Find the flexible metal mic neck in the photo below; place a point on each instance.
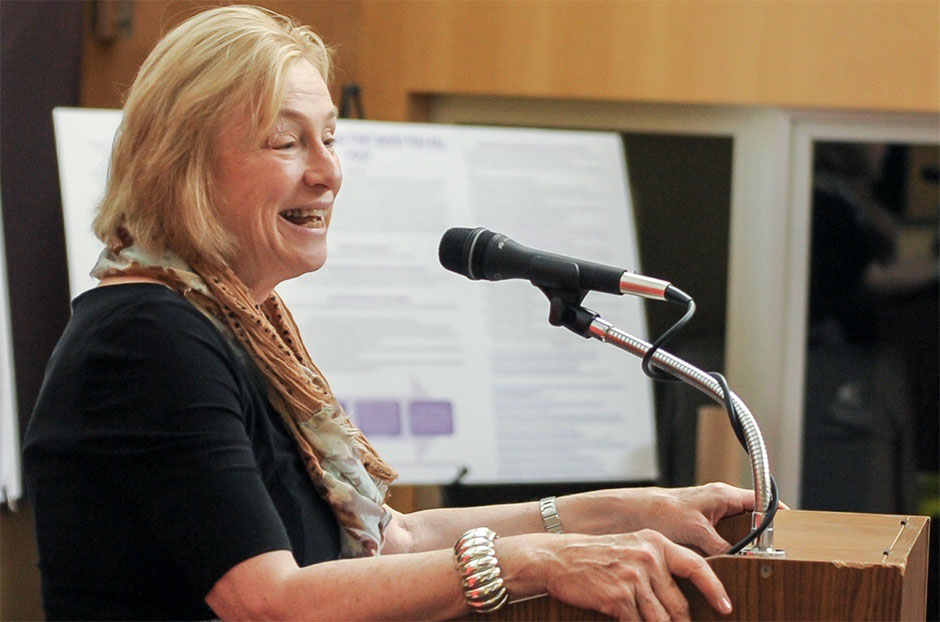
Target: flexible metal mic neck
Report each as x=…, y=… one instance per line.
x=678, y=368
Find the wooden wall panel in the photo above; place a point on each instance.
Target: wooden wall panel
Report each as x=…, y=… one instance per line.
x=109, y=68
x=839, y=54
x=20, y=596
x=821, y=54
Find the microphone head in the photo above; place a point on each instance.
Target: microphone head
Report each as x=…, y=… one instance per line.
x=461, y=250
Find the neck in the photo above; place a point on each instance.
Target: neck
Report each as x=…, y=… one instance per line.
x=120, y=280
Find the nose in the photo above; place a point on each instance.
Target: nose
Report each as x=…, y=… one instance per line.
x=323, y=169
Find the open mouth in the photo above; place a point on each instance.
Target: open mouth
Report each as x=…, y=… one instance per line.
x=308, y=218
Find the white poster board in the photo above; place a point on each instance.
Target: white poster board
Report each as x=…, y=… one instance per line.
x=442, y=373
x=11, y=487
x=83, y=138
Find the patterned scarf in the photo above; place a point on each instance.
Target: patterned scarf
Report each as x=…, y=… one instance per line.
x=344, y=468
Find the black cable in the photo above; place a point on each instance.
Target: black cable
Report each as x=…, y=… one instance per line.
x=656, y=374
x=730, y=408
x=735, y=420
x=768, y=518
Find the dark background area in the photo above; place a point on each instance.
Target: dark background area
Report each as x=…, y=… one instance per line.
x=40, y=68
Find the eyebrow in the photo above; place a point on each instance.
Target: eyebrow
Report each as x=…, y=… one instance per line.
x=291, y=113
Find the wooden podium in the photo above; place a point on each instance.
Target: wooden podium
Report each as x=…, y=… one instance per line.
x=838, y=566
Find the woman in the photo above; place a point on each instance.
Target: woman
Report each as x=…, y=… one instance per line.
x=187, y=459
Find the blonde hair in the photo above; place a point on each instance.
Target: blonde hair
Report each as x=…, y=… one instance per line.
x=217, y=65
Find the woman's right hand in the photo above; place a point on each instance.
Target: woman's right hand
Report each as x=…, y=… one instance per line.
x=626, y=576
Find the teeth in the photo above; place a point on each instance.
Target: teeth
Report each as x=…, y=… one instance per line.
x=304, y=213
x=305, y=217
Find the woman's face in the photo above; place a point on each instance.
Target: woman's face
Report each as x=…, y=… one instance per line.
x=277, y=195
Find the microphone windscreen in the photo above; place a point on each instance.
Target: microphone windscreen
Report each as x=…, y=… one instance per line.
x=452, y=252
x=462, y=249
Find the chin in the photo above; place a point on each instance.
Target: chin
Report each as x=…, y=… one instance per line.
x=314, y=263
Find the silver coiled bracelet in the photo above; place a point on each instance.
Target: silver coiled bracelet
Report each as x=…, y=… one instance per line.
x=479, y=571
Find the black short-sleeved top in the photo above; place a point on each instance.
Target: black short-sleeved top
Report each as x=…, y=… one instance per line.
x=154, y=463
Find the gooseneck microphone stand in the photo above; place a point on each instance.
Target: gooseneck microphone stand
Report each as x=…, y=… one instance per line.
x=565, y=310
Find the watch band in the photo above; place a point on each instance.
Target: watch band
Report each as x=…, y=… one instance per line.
x=550, y=515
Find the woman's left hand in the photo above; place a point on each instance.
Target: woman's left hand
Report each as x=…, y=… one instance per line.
x=684, y=515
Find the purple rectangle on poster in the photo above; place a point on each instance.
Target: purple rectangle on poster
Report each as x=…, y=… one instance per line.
x=378, y=418
x=431, y=418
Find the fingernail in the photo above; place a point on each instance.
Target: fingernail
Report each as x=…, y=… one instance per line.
x=725, y=605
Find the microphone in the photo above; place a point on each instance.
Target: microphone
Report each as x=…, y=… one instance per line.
x=482, y=254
